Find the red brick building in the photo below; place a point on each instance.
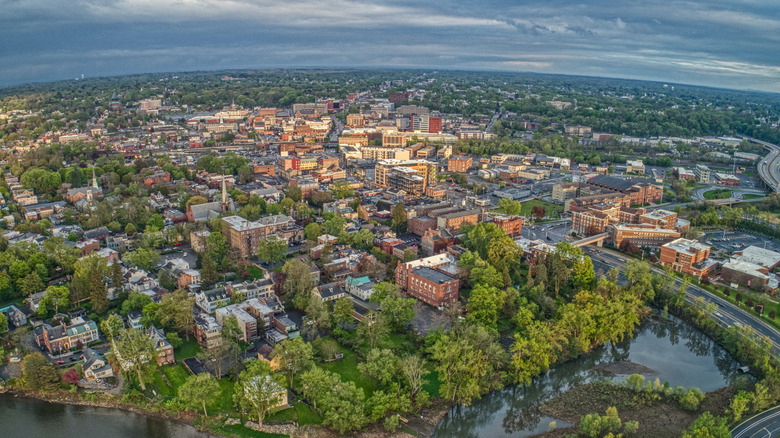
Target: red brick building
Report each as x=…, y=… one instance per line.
x=454, y=221
x=419, y=225
x=432, y=286
x=459, y=164
x=264, y=169
x=687, y=256
x=512, y=225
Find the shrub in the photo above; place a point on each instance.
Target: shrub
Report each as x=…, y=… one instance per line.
x=71, y=376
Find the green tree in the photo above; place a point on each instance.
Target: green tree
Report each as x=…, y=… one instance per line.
x=272, y=249
x=397, y=311
x=413, y=369
x=341, y=190
x=708, y=426
x=293, y=192
x=31, y=284
x=509, y=206
x=3, y=323
x=97, y=292
x=156, y=221
x=56, y=297
x=137, y=352
x=208, y=270
x=294, y=355
x=257, y=390
x=38, y=373
x=312, y=231
x=373, y=327
x=216, y=246
x=175, y=312
x=199, y=390
x=142, y=258
x=299, y=279
x=342, y=311
x=583, y=274
x=381, y=365
x=398, y=221
x=135, y=301
x=485, y=304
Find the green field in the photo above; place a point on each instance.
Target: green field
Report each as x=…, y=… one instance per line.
x=553, y=210
x=299, y=413
x=718, y=194
x=187, y=349
x=751, y=196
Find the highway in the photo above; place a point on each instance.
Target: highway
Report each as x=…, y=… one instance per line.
x=763, y=425
x=727, y=313
x=769, y=166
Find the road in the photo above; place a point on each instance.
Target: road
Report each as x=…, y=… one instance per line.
x=727, y=314
x=737, y=192
x=763, y=425
x=769, y=166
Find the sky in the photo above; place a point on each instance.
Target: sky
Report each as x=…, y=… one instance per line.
x=729, y=44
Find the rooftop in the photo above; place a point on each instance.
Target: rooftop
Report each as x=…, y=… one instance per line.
x=686, y=246
x=432, y=275
x=759, y=256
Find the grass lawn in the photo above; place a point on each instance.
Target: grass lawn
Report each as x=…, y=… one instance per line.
x=188, y=349
x=255, y=272
x=300, y=413
x=346, y=368
x=432, y=385
x=553, y=210
x=718, y=194
x=176, y=375
x=224, y=403
x=751, y=196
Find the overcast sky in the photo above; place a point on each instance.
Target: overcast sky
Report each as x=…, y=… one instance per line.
x=731, y=44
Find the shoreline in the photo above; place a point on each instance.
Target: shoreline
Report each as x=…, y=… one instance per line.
x=75, y=399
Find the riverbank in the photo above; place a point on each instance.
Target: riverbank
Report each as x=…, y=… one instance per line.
x=101, y=400
x=658, y=418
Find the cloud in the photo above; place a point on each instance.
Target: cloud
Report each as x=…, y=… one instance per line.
x=717, y=42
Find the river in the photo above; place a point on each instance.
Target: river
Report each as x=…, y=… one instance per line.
x=675, y=350
x=26, y=417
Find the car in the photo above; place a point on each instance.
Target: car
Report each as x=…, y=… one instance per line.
x=74, y=358
x=60, y=362
x=178, y=244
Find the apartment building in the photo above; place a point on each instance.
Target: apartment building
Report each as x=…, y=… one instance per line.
x=687, y=256
x=702, y=173
x=460, y=164
x=432, y=286
x=245, y=235
x=512, y=225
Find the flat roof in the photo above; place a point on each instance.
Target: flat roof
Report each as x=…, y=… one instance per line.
x=759, y=256
x=432, y=275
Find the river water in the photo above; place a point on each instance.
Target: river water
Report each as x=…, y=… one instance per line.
x=675, y=350
x=26, y=417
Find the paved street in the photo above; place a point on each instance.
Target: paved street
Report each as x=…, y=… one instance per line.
x=763, y=425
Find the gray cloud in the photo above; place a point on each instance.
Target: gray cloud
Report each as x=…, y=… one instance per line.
x=718, y=42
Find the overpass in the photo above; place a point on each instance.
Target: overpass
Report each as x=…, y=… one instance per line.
x=769, y=166
x=598, y=239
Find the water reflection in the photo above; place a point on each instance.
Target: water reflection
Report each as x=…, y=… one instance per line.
x=673, y=349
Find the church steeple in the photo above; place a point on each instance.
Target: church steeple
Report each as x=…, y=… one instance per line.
x=94, y=179
x=224, y=191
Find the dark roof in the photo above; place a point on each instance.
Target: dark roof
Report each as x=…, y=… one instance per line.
x=617, y=183
x=432, y=275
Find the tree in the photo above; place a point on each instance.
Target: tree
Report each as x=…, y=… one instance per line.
x=272, y=249
x=208, y=270
x=38, y=373
x=398, y=222
x=135, y=301
x=112, y=325
x=256, y=390
x=341, y=190
x=156, y=221
x=30, y=284
x=137, y=352
x=293, y=192
x=142, y=258
x=373, y=327
x=583, y=274
x=299, y=280
x=397, y=311
x=484, y=305
x=312, y=231
x=216, y=246
x=55, y=297
x=381, y=365
x=3, y=323
x=199, y=390
x=175, y=311
x=413, y=369
x=98, y=293
x=538, y=212
x=342, y=311
x=509, y=206
x=294, y=355
x=708, y=426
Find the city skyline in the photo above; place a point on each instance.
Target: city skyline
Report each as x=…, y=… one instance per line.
x=728, y=44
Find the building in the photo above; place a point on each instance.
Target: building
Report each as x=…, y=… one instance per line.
x=588, y=222
x=687, y=256
x=640, y=235
x=635, y=166
x=640, y=191
x=702, y=173
x=454, y=221
x=562, y=192
x=442, y=262
x=409, y=180
x=759, y=256
x=460, y=164
x=245, y=235
x=247, y=323
x=727, y=179
x=662, y=218
x=683, y=173
x=746, y=274
x=59, y=338
x=161, y=344
x=95, y=367
x=361, y=287
x=432, y=286
x=512, y=225
x=425, y=169
x=207, y=332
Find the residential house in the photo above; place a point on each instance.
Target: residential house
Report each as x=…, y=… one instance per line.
x=161, y=344
x=95, y=367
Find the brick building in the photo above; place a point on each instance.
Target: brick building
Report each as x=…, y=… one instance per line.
x=640, y=191
x=687, y=256
x=512, y=225
x=454, y=221
x=432, y=286
x=640, y=234
x=459, y=164
x=245, y=235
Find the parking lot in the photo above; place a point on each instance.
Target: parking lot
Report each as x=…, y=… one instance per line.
x=731, y=241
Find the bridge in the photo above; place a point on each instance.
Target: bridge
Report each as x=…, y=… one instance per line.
x=598, y=239
x=769, y=166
